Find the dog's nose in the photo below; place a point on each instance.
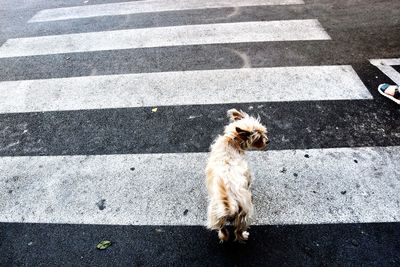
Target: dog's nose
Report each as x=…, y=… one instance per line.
x=267, y=141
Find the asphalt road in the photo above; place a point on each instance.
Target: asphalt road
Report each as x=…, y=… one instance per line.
x=85, y=157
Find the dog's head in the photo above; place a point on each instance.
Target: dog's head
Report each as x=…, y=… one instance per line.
x=247, y=129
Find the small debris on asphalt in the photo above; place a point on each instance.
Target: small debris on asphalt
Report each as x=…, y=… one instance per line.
x=356, y=161
x=103, y=244
x=101, y=204
x=308, y=251
x=316, y=243
x=343, y=192
x=306, y=156
x=283, y=170
x=154, y=110
x=30, y=243
x=295, y=174
x=132, y=169
x=185, y=212
x=355, y=243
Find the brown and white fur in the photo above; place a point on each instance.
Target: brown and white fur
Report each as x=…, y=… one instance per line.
x=228, y=175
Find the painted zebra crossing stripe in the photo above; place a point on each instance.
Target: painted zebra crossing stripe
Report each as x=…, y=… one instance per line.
x=134, y=7
x=385, y=61
x=183, y=88
x=385, y=65
x=338, y=185
x=264, y=31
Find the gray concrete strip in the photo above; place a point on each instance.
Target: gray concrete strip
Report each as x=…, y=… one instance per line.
x=183, y=88
x=134, y=7
x=337, y=185
x=239, y=32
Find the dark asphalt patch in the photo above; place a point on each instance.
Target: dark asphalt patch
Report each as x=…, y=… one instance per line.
x=292, y=125
x=196, y=57
x=129, y=131
x=397, y=68
x=289, y=245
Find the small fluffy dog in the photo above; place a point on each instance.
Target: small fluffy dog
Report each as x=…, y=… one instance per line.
x=228, y=175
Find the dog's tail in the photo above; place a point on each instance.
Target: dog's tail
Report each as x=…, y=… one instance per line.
x=222, y=208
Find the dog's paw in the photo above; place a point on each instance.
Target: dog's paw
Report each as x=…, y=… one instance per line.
x=223, y=235
x=245, y=235
x=242, y=237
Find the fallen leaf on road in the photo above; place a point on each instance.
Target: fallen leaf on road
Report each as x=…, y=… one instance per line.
x=103, y=244
x=154, y=109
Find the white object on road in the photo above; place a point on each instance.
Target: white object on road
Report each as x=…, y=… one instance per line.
x=383, y=87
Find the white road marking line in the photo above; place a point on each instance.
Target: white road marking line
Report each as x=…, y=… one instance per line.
x=221, y=33
x=311, y=83
x=326, y=187
x=385, y=65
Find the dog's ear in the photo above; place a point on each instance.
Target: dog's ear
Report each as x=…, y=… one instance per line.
x=243, y=133
x=235, y=115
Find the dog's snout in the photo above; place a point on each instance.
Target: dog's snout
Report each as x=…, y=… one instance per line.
x=267, y=142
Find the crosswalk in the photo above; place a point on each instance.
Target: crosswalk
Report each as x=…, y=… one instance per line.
x=352, y=184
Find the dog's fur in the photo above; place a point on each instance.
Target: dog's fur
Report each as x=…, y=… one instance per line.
x=228, y=175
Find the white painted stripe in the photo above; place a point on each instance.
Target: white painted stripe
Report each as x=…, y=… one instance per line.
x=385, y=61
x=183, y=88
x=385, y=66
x=391, y=73
x=134, y=7
x=65, y=189
x=264, y=31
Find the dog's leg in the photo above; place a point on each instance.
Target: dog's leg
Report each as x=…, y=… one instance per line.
x=223, y=234
x=218, y=224
x=242, y=222
x=241, y=233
